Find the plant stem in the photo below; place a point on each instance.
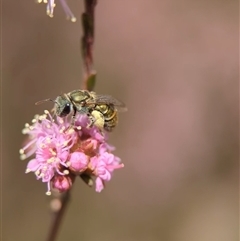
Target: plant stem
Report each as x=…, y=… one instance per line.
x=88, y=76
x=88, y=40
x=58, y=209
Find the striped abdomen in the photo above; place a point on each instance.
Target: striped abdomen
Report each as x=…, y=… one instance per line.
x=110, y=115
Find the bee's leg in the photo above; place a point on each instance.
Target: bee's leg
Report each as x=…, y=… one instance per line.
x=92, y=121
x=97, y=119
x=73, y=118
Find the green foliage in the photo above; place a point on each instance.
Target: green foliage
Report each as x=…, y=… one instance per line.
x=91, y=81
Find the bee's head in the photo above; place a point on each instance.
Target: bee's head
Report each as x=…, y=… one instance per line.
x=63, y=105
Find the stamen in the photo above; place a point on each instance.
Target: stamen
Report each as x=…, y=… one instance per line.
x=68, y=11
x=60, y=121
x=48, y=140
x=66, y=172
x=48, y=193
x=47, y=113
x=65, y=143
x=49, y=189
x=42, y=117
x=50, y=8
x=36, y=117
x=50, y=160
x=70, y=131
x=68, y=164
x=23, y=157
x=37, y=172
x=53, y=152
x=62, y=129
x=28, y=145
x=42, y=145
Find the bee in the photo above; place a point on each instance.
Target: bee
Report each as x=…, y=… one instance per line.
x=102, y=110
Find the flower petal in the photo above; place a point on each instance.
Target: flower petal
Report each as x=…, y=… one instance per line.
x=99, y=184
x=32, y=166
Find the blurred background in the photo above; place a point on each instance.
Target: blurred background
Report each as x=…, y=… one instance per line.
x=175, y=64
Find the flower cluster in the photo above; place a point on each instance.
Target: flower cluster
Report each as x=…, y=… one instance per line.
x=51, y=5
x=62, y=152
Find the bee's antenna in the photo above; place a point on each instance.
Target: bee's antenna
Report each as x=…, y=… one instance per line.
x=42, y=101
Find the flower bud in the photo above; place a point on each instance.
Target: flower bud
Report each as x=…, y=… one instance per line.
x=62, y=183
x=78, y=162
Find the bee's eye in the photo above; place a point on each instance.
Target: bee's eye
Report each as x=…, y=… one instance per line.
x=66, y=110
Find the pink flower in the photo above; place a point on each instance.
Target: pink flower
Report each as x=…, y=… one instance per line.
x=78, y=162
x=61, y=152
x=62, y=183
x=51, y=5
x=103, y=166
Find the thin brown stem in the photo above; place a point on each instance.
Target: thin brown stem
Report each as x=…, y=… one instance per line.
x=88, y=83
x=87, y=40
x=58, y=208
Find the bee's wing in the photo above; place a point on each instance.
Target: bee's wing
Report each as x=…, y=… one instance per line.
x=107, y=99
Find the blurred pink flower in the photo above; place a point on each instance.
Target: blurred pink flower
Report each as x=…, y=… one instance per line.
x=62, y=183
x=103, y=165
x=51, y=5
x=63, y=152
x=78, y=161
